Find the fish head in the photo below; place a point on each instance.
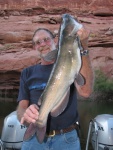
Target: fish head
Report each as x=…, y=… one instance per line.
x=68, y=32
x=69, y=25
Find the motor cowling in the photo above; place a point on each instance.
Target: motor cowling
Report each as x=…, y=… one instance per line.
x=102, y=132
x=12, y=132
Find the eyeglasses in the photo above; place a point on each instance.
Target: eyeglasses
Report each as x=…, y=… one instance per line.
x=46, y=39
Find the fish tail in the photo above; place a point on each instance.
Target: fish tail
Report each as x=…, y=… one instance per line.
x=40, y=134
x=31, y=130
x=34, y=129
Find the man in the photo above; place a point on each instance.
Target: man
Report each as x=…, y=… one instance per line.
x=32, y=83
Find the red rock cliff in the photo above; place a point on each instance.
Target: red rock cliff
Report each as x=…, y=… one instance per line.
x=19, y=19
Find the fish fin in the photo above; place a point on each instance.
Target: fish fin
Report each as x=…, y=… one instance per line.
x=40, y=134
x=51, y=55
x=60, y=107
x=80, y=80
x=40, y=101
x=31, y=130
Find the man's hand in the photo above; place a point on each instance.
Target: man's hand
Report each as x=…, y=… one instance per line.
x=30, y=115
x=84, y=35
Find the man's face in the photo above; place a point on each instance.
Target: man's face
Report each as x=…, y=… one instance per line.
x=44, y=43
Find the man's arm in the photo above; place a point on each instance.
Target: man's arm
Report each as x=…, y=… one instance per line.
x=86, y=69
x=27, y=114
x=87, y=72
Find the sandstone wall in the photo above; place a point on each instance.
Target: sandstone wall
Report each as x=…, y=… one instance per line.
x=19, y=19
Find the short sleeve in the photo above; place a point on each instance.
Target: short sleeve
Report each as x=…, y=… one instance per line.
x=23, y=89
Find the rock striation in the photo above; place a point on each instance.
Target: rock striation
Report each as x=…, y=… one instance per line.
x=19, y=20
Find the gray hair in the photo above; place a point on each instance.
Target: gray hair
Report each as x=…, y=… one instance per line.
x=50, y=33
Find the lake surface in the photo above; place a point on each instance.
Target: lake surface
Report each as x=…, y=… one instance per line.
x=87, y=110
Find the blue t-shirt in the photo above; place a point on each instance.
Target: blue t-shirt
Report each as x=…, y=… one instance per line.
x=33, y=82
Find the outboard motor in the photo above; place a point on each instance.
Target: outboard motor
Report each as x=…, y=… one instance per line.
x=12, y=132
x=101, y=131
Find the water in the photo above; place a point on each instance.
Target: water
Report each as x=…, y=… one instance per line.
x=5, y=109
x=87, y=111
x=1, y=124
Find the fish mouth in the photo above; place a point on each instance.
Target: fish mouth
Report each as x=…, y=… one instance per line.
x=67, y=16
